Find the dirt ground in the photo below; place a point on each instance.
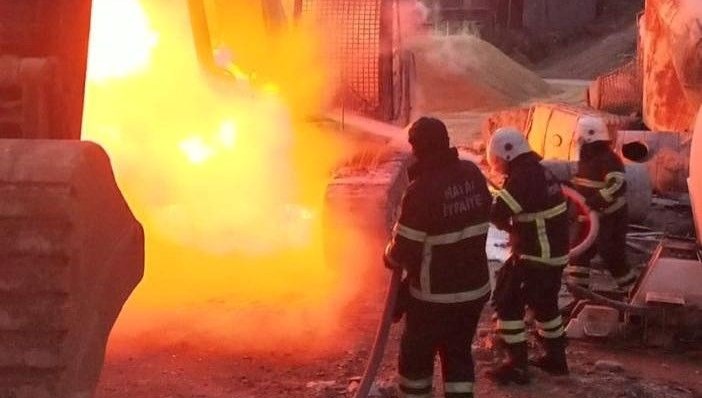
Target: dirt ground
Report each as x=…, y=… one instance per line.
x=184, y=371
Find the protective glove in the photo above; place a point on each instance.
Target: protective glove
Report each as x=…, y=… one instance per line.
x=388, y=261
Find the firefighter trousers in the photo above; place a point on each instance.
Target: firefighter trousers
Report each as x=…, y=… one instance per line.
x=446, y=329
x=611, y=246
x=524, y=283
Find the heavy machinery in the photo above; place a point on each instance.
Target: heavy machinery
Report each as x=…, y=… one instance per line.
x=70, y=249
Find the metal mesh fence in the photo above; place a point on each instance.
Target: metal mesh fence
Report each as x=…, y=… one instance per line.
x=354, y=40
x=620, y=91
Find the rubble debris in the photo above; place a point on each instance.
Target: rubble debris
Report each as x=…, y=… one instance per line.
x=608, y=365
x=638, y=247
x=665, y=202
x=352, y=387
x=320, y=384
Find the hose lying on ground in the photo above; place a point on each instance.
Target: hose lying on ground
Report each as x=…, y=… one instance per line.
x=585, y=294
x=381, y=337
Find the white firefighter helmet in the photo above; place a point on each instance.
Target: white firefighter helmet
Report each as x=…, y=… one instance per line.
x=591, y=129
x=505, y=145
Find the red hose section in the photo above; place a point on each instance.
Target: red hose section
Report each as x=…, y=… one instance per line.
x=593, y=221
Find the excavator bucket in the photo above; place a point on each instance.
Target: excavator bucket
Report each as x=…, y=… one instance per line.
x=72, y=252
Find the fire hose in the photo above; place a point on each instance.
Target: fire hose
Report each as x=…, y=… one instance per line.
x=381, y=337
x=383, y=331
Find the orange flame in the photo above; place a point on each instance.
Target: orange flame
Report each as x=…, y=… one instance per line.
x=226, y=179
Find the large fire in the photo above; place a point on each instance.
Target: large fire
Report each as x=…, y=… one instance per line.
x=225, y=175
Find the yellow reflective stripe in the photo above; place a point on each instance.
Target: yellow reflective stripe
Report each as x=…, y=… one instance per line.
x=557, y=261
x=514, y=338
x=558, y=321
x=587, y=183
x=540, y=220
x=606, y=196
x=618, y=204
x=618, y=177
x=455, y=237
x=450, y=298
x=543, y=238
x=551, y=334
x=546, y=214
x=510, y=325
x=409, y=233
x=444, y=239
x=458, y=387
x=510, y=201
x=609, y=190
x=406, y=395
x=415, y=383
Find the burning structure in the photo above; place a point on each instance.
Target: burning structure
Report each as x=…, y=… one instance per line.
x=203, y=109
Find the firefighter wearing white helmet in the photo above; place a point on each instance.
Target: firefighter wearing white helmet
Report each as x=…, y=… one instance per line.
x=532, y=208
x=600, y=179
x=505, y=145
x=591, y=129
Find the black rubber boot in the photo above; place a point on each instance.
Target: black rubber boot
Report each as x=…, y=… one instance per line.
x=554, y=361
x=515, y=370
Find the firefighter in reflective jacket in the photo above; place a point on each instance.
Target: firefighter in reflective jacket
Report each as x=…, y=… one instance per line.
x=531, y=206
x=600, y=179
x=439, y=241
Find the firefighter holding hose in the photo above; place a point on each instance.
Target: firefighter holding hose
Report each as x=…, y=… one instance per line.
x=600, y=179
x=532, y=208
x=439, y=241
